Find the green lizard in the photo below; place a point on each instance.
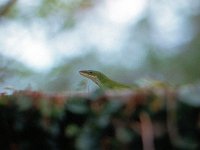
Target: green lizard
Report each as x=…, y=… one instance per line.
x=102, y=80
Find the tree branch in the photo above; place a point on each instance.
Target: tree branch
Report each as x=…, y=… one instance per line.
x=5, y=9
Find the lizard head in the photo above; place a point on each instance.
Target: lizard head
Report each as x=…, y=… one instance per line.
x=102, y=80
x=95, y=76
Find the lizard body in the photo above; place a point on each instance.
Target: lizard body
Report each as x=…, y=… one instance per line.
x=102, y=80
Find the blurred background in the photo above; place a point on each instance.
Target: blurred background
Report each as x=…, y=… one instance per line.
x=44, y=43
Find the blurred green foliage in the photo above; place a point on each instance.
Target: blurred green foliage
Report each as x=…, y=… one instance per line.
x=10, y=68
x=143, y=118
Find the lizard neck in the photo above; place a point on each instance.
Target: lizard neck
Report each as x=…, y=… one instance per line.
x=106, y=83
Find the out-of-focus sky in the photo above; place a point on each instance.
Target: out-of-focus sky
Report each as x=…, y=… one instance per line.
x=125, y=39
x=30, y=44
x=103, y=27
